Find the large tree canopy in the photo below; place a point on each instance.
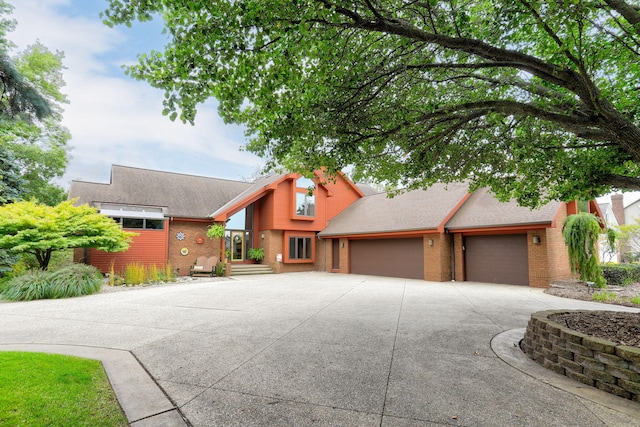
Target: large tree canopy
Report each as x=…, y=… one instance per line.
x=38, y=229
x=30, y=116
x=536, y=99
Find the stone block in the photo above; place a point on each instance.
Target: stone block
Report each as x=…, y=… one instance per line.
x=598, y=344
x=552, y=366
x=557, y=340
x=550, y=355
x=632, y=354
x=600, y=375
x=610, y=359
x=563, y=352
x=589, y=362
x=579, y=349
x=630, y=386
x=579, y=377
x=570, y=365
x=625, y=374
x=613, y=389
x=571, y=336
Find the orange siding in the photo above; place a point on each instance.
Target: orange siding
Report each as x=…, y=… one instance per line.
x=277, y=208
x=149, y=247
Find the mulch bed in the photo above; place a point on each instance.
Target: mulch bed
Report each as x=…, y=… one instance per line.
x=619, y=327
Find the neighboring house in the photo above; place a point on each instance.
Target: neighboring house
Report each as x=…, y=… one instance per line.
x=609, y=217
x=440, y=234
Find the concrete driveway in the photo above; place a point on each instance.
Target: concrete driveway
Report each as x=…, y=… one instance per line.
x=307, y=349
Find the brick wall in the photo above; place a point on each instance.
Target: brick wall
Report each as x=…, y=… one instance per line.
x=437, y=257
x=192, y=231
x=459, y=257
x=592, y=361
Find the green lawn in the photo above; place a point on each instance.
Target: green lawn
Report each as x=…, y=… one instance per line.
x=38, y=389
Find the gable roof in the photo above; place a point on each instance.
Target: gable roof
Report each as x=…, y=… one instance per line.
x=181, y=195
x=250, y=194
x=263, y=185
x=410, y=211
x=483, y=210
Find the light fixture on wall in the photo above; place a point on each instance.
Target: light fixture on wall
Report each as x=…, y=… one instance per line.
x=262, y=236
x=430, y=242
x=342, y=244
x=536, y=240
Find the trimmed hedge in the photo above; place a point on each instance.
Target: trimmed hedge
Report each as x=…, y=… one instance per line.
x=70, y=281
x=621, y=274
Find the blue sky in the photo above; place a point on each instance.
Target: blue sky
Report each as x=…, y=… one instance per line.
x=114, y=119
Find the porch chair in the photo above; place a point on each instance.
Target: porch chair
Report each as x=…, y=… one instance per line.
x=204, y=265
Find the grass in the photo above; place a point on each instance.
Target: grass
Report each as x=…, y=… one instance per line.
x=604, y=296
x=612, y=297
x=39, y=389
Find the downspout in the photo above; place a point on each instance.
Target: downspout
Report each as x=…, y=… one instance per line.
x=453, y=256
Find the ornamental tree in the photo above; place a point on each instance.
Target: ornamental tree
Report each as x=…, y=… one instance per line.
x=38, y=229
x=580, y=233
x=537, y=100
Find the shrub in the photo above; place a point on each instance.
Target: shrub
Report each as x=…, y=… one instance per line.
x=220, y=268
x=70, y=281
x=621, y=274
x=134, y=274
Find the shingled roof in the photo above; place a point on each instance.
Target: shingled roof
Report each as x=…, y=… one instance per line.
x=185, y=196
x=483, y=210
x=414, y=210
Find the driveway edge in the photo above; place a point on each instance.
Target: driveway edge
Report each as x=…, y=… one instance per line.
x=506, y=346
x=141, y=399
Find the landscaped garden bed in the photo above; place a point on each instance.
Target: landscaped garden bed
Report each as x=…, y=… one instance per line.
x=597, y=348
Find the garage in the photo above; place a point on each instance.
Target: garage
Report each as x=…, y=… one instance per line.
x=497, y=259
x=388, y=257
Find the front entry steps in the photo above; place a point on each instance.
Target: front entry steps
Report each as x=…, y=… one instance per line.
x=245, y=269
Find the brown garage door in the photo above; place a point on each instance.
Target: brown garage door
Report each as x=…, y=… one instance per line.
x=497, y=259
x=388, y=257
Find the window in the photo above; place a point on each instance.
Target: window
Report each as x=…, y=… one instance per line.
x=305, y=198
x=300, y=248
x=305, y=204
x=141, y=223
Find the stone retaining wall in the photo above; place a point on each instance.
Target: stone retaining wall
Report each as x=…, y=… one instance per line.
x=592, y=361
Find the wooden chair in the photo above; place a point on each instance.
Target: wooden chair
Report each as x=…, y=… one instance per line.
x=204, y=265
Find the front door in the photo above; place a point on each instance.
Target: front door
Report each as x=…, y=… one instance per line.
x=237, y=246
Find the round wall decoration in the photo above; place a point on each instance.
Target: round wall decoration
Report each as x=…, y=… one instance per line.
x=180, y=235
x=184, y=251
x=199, y=240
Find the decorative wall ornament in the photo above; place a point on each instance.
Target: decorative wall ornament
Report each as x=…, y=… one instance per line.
x=184, y=251
x=199, y=240
x=180, y=235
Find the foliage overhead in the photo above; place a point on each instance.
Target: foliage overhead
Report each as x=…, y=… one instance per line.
x=538, y=100
x=29, y=227
x=33, y=132
x=580, y=233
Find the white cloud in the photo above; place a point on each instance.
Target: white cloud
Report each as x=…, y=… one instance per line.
x=118, y=120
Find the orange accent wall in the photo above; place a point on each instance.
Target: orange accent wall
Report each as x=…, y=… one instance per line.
x=276, y=209
x=149, y=247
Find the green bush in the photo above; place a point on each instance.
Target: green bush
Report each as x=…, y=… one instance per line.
x=70, y=281
x=621, y=274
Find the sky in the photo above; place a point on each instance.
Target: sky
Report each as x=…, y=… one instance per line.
x=114, y=119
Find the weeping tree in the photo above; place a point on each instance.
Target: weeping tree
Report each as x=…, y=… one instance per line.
x=580, y=233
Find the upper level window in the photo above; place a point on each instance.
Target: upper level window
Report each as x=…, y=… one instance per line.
x=141, y=217
x=305, y=197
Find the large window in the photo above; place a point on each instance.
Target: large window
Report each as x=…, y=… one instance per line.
x=140, y=223
x=300, y=248
x=305, y=198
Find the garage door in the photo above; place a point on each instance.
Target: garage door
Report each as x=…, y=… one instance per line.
x=497, y=259
x=388, y=257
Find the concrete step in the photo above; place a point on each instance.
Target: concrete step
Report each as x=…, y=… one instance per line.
x=246, y=269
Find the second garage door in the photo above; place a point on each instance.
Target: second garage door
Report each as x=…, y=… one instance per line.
x=497, y=259
x=388, y=257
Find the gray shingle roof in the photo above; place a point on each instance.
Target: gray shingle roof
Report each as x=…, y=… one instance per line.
x=255, y=187
x=414, y=210
x=187, y=196
x=482, y=209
